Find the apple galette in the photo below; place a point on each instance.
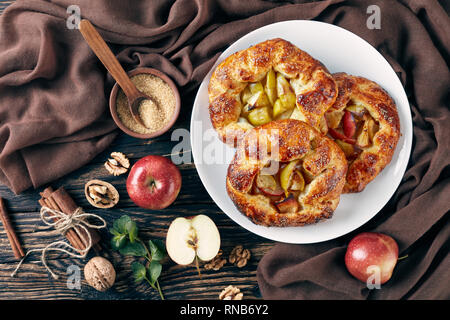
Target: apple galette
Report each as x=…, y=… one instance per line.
x=269, y=81
x=286, y=173
x=365, y=124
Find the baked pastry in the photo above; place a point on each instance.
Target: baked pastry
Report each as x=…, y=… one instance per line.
x=365, y=124
x=268, y=81
x=286, y=173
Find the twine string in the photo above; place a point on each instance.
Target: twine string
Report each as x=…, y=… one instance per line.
x=62, y=224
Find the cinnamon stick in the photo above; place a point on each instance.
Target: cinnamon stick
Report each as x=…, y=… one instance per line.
x=60, y=200
x=12, y=237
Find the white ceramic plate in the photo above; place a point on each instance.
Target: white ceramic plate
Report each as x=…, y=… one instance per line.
x=339, y=50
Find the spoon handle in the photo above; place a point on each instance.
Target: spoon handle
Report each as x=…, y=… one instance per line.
x=109, y=60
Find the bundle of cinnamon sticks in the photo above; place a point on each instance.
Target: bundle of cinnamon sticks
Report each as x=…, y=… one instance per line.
x=58, y=200
x=61, y=201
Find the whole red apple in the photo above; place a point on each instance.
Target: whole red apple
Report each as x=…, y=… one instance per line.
x=154, y=182
x=371, y=249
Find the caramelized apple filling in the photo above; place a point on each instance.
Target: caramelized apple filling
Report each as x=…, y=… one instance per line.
x=284, y=187
x=352, y=128
x=270, y=99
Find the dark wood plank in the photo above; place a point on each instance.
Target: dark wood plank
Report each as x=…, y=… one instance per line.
x=177, y=282
x=33, y=282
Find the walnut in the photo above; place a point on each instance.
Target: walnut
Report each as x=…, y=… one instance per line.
x=231, y=293
x=118, y=164
x=217, y=263
x=239, y=256
x=99, y=274
x=101, y=194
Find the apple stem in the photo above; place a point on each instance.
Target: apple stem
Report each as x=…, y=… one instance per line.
x=198, y=267
x=401, y=258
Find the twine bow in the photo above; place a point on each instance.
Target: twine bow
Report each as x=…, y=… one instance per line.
x=62, y=224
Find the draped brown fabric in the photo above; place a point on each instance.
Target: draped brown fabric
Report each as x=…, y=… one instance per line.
x=54, y=115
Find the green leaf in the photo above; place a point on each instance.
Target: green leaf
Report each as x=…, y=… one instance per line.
x=120, y=224
x=133, y=249
x=114, y=232
x=132, y=230
x=154, y=269
x=139, y=271
x=119, y=241
x=157, y=249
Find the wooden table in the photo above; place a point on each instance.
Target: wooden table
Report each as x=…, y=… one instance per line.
x=177, y=282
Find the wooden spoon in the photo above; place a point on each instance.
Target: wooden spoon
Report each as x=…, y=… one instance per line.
x=109, y=60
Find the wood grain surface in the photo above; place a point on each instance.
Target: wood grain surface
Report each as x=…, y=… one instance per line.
x=177, y=282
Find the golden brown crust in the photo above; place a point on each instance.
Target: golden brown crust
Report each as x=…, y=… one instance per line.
x=314, y=87
x=382, y=109
x=294, y=140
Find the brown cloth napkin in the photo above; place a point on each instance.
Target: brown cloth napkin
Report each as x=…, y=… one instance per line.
x=54, y=93
x=54, y=118
x=53, y=115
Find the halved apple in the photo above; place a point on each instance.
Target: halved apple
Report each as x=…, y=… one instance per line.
x=188, y=238
x=286, y=175
x=288, y=204
x=259, y=116
x=268, y=185
x=271, y=86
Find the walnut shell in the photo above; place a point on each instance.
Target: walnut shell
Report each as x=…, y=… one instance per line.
x=99, y=274
x=101, y=194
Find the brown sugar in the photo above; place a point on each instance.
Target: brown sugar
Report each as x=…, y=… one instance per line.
x=155, y=113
